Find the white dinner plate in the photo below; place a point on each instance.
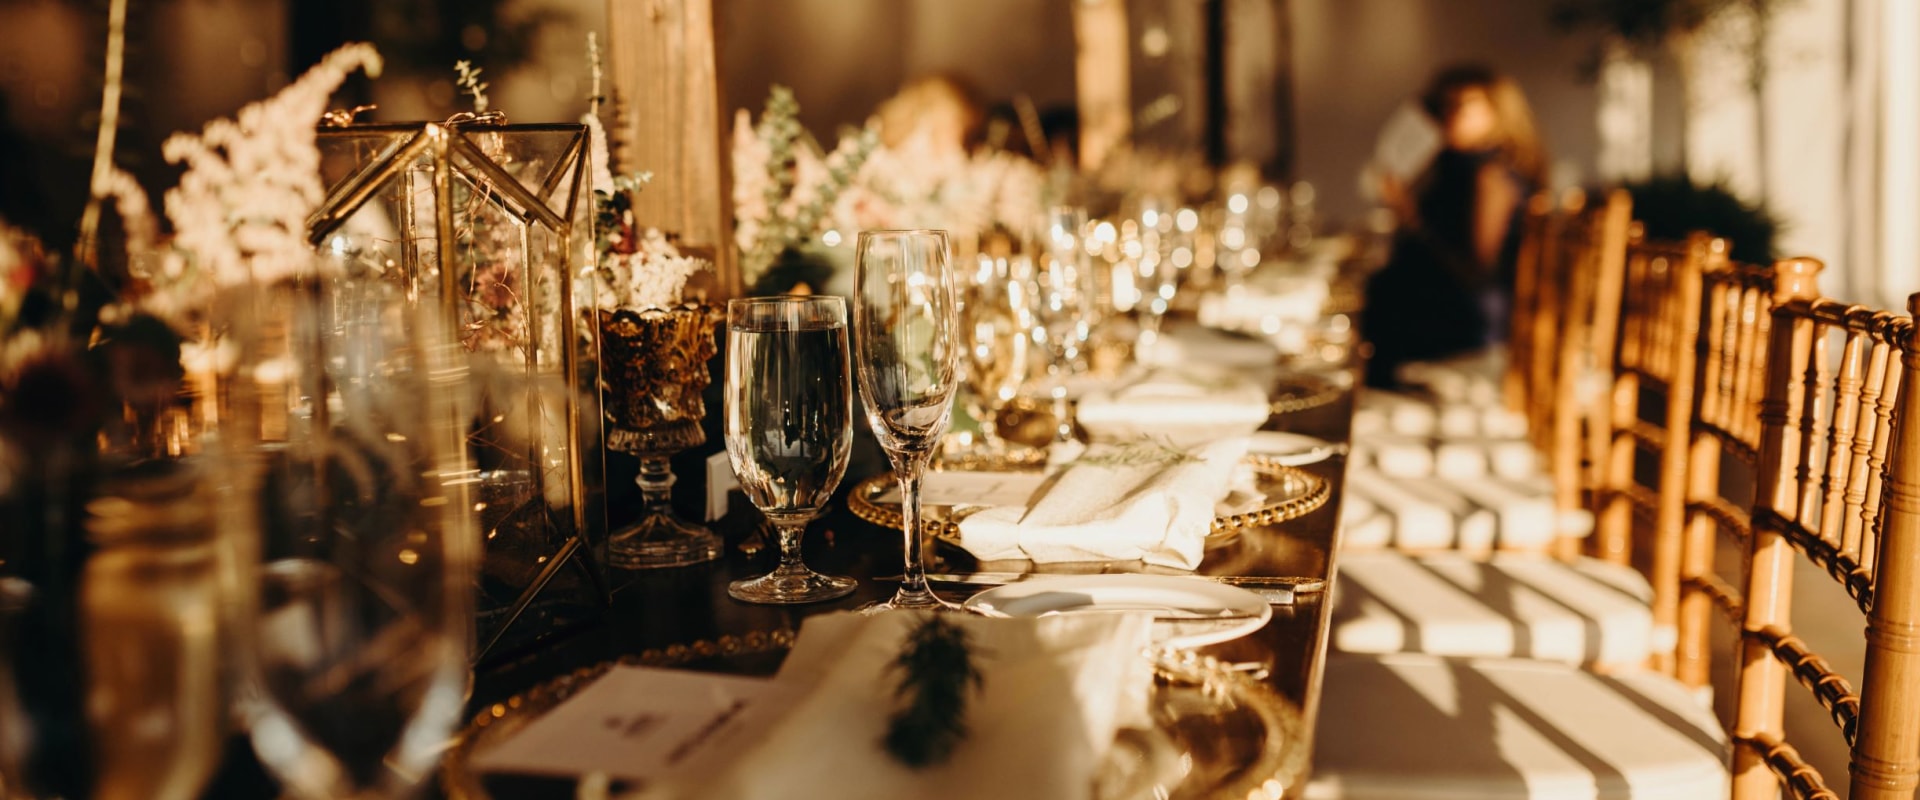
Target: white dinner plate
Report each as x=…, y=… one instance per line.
x=1188, y=612
x=1290, y=449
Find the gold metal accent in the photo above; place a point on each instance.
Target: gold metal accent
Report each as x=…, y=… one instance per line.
x=343, y=117
x=654, y=368
x=1306, y=492
x=1300, y=392
x=654, y=364
x=510, y=299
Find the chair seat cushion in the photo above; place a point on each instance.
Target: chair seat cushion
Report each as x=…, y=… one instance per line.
x=1413, y=727
x=1444, y=513
x=1583, y=612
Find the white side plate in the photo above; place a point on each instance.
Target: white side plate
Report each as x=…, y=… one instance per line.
x=1188, y=612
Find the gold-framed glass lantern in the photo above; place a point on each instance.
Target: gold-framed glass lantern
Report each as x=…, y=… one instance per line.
x=493, y=224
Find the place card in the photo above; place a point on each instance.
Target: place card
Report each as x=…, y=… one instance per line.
x=638, y=724
x=720, y=483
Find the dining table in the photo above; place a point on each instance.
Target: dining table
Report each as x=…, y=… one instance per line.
x=684, y=617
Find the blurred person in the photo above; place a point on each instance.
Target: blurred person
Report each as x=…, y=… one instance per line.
x=1448, y=280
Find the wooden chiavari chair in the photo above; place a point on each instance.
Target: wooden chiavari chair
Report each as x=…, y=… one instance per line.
x=1486, y=595
x=1731, y=370
x=1579, y=414
x=1562, y=349
x=1658, y=333
x=1839, y=482
x=1524, y=346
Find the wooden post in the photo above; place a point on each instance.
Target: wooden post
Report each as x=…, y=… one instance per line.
x=1886, y=756
x=1102, y=78
x=670, y=120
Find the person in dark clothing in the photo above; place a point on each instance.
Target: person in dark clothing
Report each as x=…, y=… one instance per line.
x=1448, y=282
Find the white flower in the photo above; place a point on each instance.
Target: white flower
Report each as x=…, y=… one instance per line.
x=240, y=210
x=597, y=153
x=652, y=276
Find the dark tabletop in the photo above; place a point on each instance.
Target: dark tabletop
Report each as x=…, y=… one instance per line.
x=654, y=609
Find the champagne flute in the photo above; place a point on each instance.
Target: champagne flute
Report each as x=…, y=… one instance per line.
x=994, y=322
x=789, y=428
x=1158, y=270
x=908, y=356
x=1063, y=304
x=350, y=436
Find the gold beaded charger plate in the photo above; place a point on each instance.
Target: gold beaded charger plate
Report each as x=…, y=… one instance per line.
x=1300, y=391
x=1287, y=493
x=1218, y=732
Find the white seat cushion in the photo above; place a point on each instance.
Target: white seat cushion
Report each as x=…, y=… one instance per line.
x=1411, y=727
x=1471, y=514
x=1584, y=612
x=1386, y=412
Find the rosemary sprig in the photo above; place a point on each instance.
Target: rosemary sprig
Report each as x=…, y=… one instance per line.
x=938, y=670
x=1146, y=451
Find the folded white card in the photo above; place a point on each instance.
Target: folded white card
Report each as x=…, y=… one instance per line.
x=637, y=723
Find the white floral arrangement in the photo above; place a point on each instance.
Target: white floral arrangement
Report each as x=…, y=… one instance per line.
x=636, y=267
x=240, y=210
x=924, y=185
x=787, y=193
x=785, y=188
x=639, y=268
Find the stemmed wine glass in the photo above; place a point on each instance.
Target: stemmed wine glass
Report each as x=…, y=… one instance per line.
x=1063, y=304
x=907, y=357
x=348, y=441
x=995, y=326
x=789, y=427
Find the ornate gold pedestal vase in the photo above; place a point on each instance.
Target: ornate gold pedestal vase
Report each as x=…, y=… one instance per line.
x=654, y=367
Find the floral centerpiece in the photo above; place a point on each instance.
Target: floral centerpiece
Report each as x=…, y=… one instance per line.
x=798, y=208
x=654, y=349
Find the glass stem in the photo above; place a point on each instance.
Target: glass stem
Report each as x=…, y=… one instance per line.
x=914, y=580
x=656, y=484
x=790, y=533
x=1063, y=425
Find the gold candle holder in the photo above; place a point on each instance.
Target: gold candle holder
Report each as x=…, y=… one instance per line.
x=654, y=369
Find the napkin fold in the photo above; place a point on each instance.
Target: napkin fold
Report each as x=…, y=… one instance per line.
x=1055, y=692
x=1188, y=405
x=1146, y=500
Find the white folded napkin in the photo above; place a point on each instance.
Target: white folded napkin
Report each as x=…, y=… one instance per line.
x=1055, y=692
x=1189, y=345
x=1186, y=405
x=1146, y=500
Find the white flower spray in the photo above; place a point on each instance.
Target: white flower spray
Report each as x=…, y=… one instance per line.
x=240, y=210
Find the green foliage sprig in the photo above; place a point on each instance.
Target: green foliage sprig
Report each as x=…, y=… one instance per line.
x=785, y=229
x=938, y=672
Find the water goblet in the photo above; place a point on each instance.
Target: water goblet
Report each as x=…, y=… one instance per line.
x=1063, y=305
x=995, y=324
x=789, y=428
x=907, y=357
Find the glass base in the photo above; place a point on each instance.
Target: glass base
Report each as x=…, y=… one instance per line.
x=904, y=600
x=661, y=539
x=800, y=585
